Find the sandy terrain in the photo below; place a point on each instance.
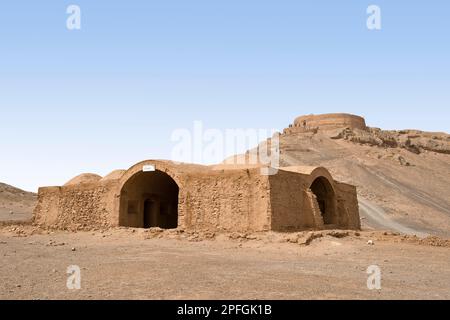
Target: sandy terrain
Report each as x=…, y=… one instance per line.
x=138, y=264
x=16, y=204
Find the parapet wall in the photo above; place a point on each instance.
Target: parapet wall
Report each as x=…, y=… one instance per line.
x=330, y=121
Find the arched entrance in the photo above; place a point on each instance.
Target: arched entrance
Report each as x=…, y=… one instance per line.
x=326, y=200
x=149, y=199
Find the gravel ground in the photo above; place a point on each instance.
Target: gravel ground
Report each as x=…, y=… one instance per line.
x=128, y=264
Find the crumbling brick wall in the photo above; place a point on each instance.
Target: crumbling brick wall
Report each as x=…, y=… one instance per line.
x=347, y=201
x=75, y=207
x=288, y=210
x=294, y=206
x=236, y=200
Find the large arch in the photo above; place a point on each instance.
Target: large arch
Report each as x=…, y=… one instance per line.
x=149, y=199
x=326, y=199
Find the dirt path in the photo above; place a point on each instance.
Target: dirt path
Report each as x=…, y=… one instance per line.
x=377, y=218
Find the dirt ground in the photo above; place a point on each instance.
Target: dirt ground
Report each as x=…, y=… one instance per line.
x=16, y=204
x=151, y=264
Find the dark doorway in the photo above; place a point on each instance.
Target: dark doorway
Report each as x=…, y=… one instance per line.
x=324, y=193
x=150, y=214
x=160, y=213
x=153, y=196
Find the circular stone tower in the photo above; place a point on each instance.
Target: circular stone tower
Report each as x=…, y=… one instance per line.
x=330, y=121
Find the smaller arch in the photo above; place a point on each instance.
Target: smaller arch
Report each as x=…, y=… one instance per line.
x=326, y=200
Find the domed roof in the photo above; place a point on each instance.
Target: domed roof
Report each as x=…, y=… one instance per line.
x=83, y=179
x=114, y=175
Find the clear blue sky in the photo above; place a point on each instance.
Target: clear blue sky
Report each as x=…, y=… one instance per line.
x=110, y=94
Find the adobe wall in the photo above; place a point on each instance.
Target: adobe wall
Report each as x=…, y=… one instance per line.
x=347, y=201
x=294, y=206
x=73, y=207
x=238, y=200
x=235, y=200
x=209, y=200
x=329, y=122
x=289, y=207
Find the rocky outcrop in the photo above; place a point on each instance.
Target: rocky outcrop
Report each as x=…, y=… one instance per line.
x=412, y=140
x=353, y=128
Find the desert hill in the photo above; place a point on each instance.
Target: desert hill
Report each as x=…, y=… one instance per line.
x=15, y=204
x=403, y=177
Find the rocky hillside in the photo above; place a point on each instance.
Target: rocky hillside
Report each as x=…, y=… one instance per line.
x=412, y=140
x=16, y=204
x=403, y=177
